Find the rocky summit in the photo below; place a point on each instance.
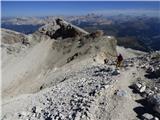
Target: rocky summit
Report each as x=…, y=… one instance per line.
x=62, y=72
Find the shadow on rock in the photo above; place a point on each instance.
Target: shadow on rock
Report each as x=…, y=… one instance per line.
x=145, y=108
x=153, y=74
x=133, y=89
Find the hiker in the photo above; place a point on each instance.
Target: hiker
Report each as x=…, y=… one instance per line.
x=119, y=60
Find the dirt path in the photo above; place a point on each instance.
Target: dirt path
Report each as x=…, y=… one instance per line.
x=113, y=106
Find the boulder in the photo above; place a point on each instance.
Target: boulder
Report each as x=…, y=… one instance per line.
x=147, y=116
x=121, y=93
x=97, y=33
x=155, y=118
x=137, y=86
x=149, y=92
x=142, y=89
x=153, y=71
x=150, y=69
x=116, y=72
x=155, y=101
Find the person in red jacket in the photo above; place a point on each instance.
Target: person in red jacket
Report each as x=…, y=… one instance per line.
x=119, y=60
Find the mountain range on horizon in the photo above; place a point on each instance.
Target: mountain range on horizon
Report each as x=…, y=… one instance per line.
x=137, y=32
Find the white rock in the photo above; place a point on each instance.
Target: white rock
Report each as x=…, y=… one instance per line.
x=38, y=109
x=149, y=92
x=115, y=72
x=24, y=113
x=147, y=116
x=109, y=37
x=106, y=86
x=78, y=116
x=155, y=118
x=142, y=89
x=121, y=93
x=137, y=86
x=155, y=88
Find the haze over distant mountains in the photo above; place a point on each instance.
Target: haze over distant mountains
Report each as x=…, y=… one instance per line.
x=138, y=32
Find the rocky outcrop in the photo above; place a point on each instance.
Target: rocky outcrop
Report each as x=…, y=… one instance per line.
x=97, y=34
x=60, y=28
x=13, y=44
x=11, y=37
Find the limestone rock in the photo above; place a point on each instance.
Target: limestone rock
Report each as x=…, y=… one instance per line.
x=142, y=89
x=116, y=72
x=121, y=93
x=155, y=100
x=147, y=116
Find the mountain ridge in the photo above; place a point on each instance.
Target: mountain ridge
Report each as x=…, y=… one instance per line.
x=74, y=76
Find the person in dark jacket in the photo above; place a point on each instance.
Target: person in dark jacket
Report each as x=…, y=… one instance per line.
x=119, y=60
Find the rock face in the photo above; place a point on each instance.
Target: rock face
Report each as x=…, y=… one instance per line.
x=60, y=28
x=12, y=45
x=11, y=37
x=49, y=29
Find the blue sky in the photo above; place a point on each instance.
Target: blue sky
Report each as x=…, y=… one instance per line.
x=47, y=8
